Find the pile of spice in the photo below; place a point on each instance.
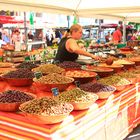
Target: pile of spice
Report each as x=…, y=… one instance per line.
x=20, y=73
x=27, y=65
x=48, y=68
x=76, y=95
x=127, y=75
x=96, y=87
x=114, y=80
x=14, y=96
x=46, y=106
x=70, y=64
x=54, y=78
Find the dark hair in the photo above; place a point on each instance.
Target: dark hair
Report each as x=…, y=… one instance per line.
x=68, y=30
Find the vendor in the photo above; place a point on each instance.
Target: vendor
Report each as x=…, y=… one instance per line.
x=68, y=49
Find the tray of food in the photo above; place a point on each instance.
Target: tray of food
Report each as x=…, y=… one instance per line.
x=78, y=98
x=117, y=81
x=81, y=75
x=6, y=65
x=10, y=100
x=48, y=68
x=53, y=80
x=115, y=67
x=102, y=90
x=19, y=77
x=101, y=71
x=46, y=110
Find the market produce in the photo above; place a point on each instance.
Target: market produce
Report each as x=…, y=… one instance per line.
x=96, y=87
x=75, y=95
x=121, y=62
x=48, y=68
x=14, y=96
x=127, y=75
x=114, y=80
x=76, y=73
x=46, y=106
x=19, y=73
x=27, y=65
x=70, y=64
x=54, y=78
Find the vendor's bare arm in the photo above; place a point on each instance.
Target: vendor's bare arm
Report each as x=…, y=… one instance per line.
x=72, y=47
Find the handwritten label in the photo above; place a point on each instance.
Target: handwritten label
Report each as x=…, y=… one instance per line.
x=55, y=91
x=77, y=83
x=38, y=75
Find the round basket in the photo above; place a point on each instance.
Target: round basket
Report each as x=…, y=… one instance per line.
x=13, y=107
x=85, y=105
x=18, y=82
x=41, y=119
x=48, y=87
x=105, y=94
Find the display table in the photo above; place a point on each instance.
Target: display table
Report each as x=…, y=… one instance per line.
x=33, y=43
x=111, y=119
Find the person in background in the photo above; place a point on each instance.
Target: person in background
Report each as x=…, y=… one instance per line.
x=16, y=36
x=68, y=49
x=129, y=36
x=117, y=36
x=30, y=35
x=134, y=35
x=1, y=41
x=108, y=37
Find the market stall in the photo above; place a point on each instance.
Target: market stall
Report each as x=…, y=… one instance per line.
x=114, y=114
x=104, y=120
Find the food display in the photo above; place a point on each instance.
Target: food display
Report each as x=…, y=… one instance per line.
x=5, y=64
x=14, y=96
x=134, y=59
x=27, y=65
x=48, y=68
x=96, y=87
x=46, y=83
x=11, y=99
x=6, y=70
x=123, y=62
x=78, y=74
x=129, y=76
x=46, y=110
x=101, y=71
x=54, y=78
x=70, y=65
x=117, y=81
x=103, y=91
x=114, y=80
x=19, y=73
x=115, y=67
x=81, y=75
x=78, y=98
x=19, y=77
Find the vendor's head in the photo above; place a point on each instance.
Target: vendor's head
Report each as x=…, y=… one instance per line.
x=76, y=31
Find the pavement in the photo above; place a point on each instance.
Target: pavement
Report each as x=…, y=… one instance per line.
x=134, y=135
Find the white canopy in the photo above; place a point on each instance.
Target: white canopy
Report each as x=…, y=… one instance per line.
x=120, y=9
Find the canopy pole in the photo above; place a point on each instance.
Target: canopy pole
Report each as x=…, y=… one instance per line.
x=25, y=29
x=124, y=30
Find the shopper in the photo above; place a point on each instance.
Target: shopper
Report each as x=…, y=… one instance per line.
x=68, y=49
x=117, y=36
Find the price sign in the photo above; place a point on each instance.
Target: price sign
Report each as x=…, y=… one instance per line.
x=56, y=62
x=77, y=83
x=38, y=75
x=55, y=91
